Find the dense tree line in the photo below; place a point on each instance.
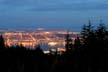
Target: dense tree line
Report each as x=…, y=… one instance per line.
x=88, y=54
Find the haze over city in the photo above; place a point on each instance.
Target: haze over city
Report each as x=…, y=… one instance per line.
x=51, y=14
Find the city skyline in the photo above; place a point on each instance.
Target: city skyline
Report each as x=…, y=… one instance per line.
x=52, y=14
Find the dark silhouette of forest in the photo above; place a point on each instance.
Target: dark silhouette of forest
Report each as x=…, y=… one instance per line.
x=88, y=54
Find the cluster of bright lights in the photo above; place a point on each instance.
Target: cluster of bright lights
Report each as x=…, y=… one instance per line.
x=52, y=43
x=61, y=49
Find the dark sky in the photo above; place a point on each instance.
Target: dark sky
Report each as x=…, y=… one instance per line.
x=51, y=14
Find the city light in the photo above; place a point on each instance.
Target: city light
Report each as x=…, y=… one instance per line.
x=30, y=39
x=61, y=49
x=46, y=52
x=47, y=32
x=52, y=43
x=40, y=28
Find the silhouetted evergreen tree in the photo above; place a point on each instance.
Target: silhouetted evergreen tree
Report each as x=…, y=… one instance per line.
x=2, y=55
x=68, y=57
x=89, y=38
x=101, y=34
x=68, y=44
x=88, y=54
x=2, y=43
x=77, y=43
x=77, y=54
x=95, y=41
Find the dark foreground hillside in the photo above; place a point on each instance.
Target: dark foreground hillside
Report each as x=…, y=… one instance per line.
x=88, y=54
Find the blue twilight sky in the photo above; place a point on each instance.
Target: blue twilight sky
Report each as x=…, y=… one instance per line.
x=51, y=14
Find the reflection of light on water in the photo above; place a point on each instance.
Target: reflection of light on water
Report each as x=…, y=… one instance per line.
x=46, y=52
x=61, y=49
x=52, y=43
x=54, y=50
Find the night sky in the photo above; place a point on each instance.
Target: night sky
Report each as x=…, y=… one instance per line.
x=52, y=14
